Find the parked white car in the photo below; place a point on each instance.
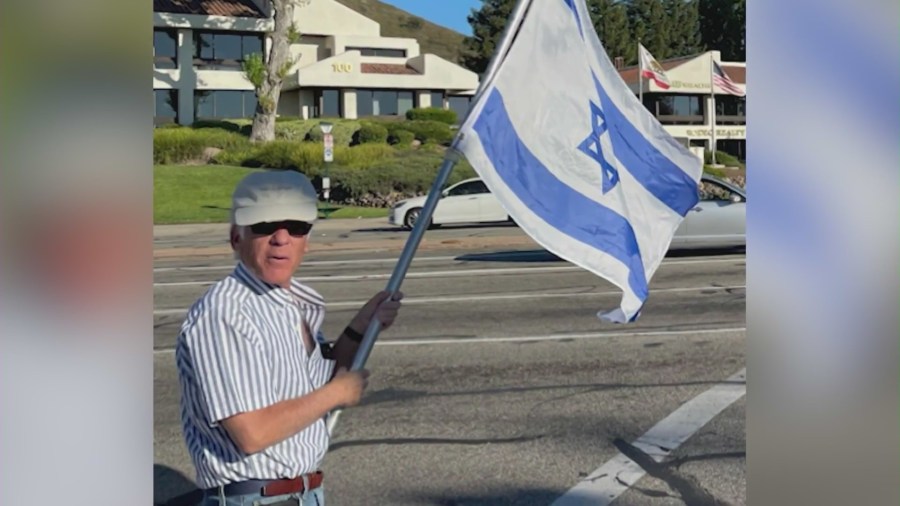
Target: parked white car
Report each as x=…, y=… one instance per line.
x=468, y=201
x=717, y=221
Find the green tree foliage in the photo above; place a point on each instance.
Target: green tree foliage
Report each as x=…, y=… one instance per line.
x=610, y=19
x=723, y=27
x=487, y=27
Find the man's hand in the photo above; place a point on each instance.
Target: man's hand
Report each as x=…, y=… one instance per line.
x=350, y=385
x=381, y=306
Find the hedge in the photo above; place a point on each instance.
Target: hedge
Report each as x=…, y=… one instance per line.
x=432, y=114
x=428, y=131
x=342, y=132
x=185, y=145
x=371, y=133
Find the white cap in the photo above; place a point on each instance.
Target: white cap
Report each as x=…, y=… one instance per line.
x=276, y=195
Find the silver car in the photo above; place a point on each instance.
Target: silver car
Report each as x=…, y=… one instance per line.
x=717, y=221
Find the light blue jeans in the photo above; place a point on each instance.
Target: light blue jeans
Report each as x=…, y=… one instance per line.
x=314, y=497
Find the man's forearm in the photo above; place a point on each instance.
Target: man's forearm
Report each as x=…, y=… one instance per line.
x=255, y=431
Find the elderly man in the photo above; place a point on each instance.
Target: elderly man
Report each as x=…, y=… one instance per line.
x=257, y=377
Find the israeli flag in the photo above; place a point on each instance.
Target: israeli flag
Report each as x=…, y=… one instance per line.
x=575, y=159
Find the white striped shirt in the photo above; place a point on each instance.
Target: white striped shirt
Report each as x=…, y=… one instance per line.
x=241, y=349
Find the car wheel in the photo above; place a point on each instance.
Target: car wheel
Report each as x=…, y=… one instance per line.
x=412, y=216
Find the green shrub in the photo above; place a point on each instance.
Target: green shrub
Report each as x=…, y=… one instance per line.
x=369, y=133
x=432, y=114
x=364, y=155
x=342, y=132
x=223, y=125
x=430, y=131
x=305, y=157
x=401, y=137
x=184, y=145
x=722, y=158
x=285, y=119
x=238, y=157
x=296, y=130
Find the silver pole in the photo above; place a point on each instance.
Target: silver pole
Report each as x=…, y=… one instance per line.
x=450, y=159
x=712, y=113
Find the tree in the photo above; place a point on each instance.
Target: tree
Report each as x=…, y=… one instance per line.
x=723, y=26
x=267, y=73
x=610, y=19
x=652, y=27
x=685, y=36
x=487, y=24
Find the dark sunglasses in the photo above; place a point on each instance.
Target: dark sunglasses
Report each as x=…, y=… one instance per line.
x=295, y=228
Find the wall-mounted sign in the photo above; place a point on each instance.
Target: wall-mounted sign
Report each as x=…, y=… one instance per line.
x=690, y=86
x=721, y=133
x=342, y=67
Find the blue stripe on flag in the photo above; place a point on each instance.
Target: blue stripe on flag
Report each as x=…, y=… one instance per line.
x=659, y=175
x=553, y=201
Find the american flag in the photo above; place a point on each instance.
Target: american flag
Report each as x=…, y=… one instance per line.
x=721, y=79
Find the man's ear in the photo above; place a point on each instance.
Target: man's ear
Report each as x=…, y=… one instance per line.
x=235, y=237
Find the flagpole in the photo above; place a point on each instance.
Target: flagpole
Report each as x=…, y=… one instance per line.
x=712, y=92
x=640, y=74
x=418, y=231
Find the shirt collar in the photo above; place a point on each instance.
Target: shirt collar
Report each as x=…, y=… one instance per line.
x=298, y=293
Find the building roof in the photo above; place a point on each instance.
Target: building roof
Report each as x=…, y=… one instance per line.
x=388, y=68
x=231, y=8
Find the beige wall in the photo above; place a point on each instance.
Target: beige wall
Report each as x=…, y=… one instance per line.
x=342, y=42
x=344, y=71
x=289, y=103
x=328, y=17
x=348, y=97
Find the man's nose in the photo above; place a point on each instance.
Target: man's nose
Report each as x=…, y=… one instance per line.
x=281, y=236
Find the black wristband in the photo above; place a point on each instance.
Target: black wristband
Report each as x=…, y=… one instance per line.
x=353, y=335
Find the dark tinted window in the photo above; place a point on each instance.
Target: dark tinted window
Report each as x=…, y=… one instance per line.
x=437, y=99
x=165, y=49
x=224, y=104
x=222, y=50
x=166, y=102
x=331, y=103
x=364, y=103
x=470, y=188
x=378, y=51
x=460, y=105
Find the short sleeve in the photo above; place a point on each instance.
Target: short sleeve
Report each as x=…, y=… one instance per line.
x=231, y=368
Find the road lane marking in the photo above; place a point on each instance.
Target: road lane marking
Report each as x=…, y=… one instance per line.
x=495, y=297
x=550, y=337
x=441, y=273
x=620, y=473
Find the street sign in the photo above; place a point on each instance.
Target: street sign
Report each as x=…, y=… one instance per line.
x=329, y=147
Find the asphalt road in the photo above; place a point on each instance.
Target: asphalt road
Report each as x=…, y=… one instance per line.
x=498, y=384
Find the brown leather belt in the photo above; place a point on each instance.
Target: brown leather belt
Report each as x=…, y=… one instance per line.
x=269, y=488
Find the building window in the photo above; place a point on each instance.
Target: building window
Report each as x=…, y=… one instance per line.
x=731, y=110
x=166, y=102
x=437, y=99
x=224, y=104
x=379, y=51
x=383, y=102
x=224, y=50
x=460, y=105
x=676, y=109
x=327, y=104
x=165, y=49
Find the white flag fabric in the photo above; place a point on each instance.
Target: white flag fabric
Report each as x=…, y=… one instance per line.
x=651, y=69
x=575, y=159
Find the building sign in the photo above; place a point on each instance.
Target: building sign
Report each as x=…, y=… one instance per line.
x=690, y=86
x=721, y=133
x=342, y=67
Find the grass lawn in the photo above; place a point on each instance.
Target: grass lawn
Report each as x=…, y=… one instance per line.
x=202, y=194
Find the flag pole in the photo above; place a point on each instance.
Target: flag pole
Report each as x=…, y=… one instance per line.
x=640, y=74
x=712, y=92
x=450, y=159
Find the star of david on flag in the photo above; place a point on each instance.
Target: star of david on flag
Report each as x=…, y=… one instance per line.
x=575, y=159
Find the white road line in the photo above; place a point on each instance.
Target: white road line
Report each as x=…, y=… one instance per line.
x=618, y=474
x=496, y=297
x=550, y=337
x=443, y=273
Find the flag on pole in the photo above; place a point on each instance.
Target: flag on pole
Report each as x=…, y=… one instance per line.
x=651, y=69
x=576, y=160
x=721, y=79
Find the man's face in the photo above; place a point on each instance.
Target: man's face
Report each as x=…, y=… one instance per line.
x=273, y=251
